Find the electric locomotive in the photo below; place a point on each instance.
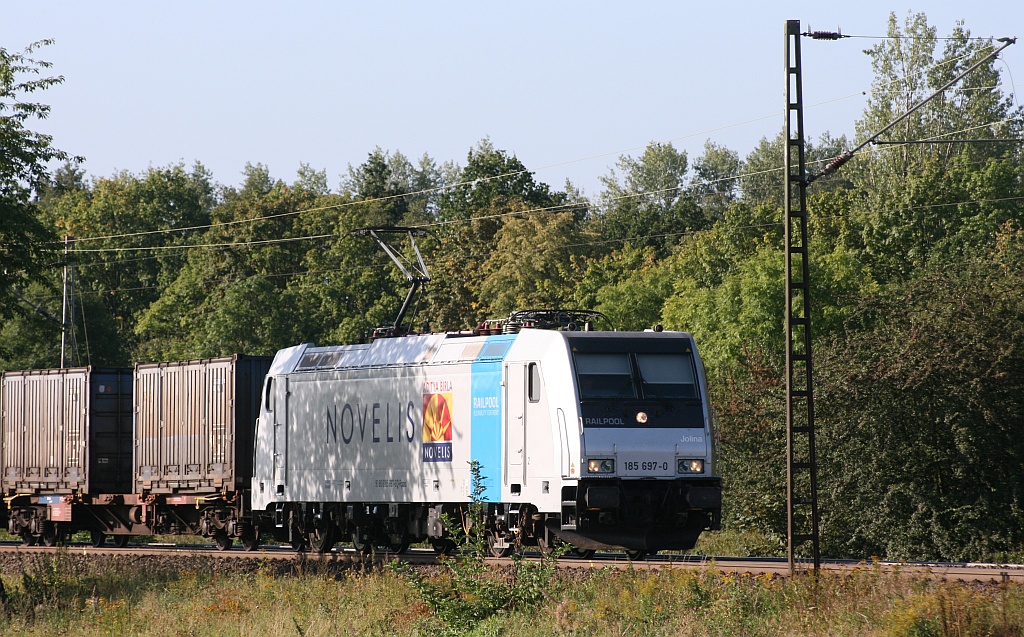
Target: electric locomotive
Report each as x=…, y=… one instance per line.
x=598, y=440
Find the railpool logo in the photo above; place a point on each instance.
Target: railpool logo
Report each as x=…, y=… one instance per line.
x=437, y=426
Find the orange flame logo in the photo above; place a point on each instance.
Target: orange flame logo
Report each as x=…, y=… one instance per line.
x=437, y=417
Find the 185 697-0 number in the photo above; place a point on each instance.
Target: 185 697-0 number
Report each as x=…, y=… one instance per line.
x=644, y=466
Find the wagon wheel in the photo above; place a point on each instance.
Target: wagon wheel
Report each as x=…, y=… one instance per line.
x=636, y=555
x=52, y=535
x=250, y=538
x=359, y=542
x=398, y=547
x=493, y=549
x=223, y=540
x=121, y=541
x=547, y=548
x=97, y=538
x=321, y=537
x=442, y=546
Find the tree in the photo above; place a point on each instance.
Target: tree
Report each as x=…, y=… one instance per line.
x=629, y=285
x=907, y=72
x=26, y=245
x=911, y=185
x=218, y=301
x=716, y=179
x=492, y=187
x=122, y=226
x=761, y=178
x=405, y=193
x=531, y=265
x=647, y=201
x=920, y=415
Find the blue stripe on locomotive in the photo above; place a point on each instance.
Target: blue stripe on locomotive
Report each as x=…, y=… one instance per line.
x=486, y=405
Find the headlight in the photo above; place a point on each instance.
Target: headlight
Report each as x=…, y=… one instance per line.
x=690, y=466
x=601, y=465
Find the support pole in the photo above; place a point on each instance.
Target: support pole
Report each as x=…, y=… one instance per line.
x=67, y=321
x=801, y=462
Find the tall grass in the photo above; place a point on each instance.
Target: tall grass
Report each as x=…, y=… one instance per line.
x=56, y=594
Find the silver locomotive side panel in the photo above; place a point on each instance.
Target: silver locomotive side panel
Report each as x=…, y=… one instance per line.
x=397, y=421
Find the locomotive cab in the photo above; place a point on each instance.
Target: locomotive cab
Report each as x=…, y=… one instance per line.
x=619, y=450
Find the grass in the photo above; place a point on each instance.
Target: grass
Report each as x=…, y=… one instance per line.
x=57, y=593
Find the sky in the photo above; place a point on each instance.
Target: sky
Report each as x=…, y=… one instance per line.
x=567, y=87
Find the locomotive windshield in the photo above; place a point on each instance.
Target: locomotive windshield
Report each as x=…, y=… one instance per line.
x=605, y=376
x=643, y=387
x=666, y=375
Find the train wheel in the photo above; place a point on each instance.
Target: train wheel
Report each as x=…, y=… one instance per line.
x=360, y=544
x=52, y=535
x=300, y=544
x=97, y=538
x=223, y=540
x=547, y=548
x=493, y=549
x=251, y=538
x=443, y=546
x=28, y=539
x=636, y=556
x=584, y=554
x=398, y=547
x=121, y=541
x=322, y=539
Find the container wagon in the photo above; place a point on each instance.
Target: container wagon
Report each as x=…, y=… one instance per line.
x=165, y=448
x=194, y=424
x=67, y=448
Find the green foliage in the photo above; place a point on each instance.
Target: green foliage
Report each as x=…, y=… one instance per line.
x=761, y=176
x=470, y=591
x=716, y=179
x=126, y=224
x=467, y=273
x=26, y=244
x=528, y=267
x=649, y=204
x=919, y=416
x=748, y=543
x=907, y=71
x=748, y=398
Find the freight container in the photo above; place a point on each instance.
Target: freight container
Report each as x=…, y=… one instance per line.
x=194, y=424
x=67, y=431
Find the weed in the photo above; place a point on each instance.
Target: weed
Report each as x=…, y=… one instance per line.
x=468, y=591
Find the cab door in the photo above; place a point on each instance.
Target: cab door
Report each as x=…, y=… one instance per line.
x=515, y=423
x=280, y=422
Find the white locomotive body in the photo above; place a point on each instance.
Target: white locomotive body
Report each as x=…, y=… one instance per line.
x=595, y=439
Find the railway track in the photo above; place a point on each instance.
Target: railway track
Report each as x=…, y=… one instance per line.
x=965, y=572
